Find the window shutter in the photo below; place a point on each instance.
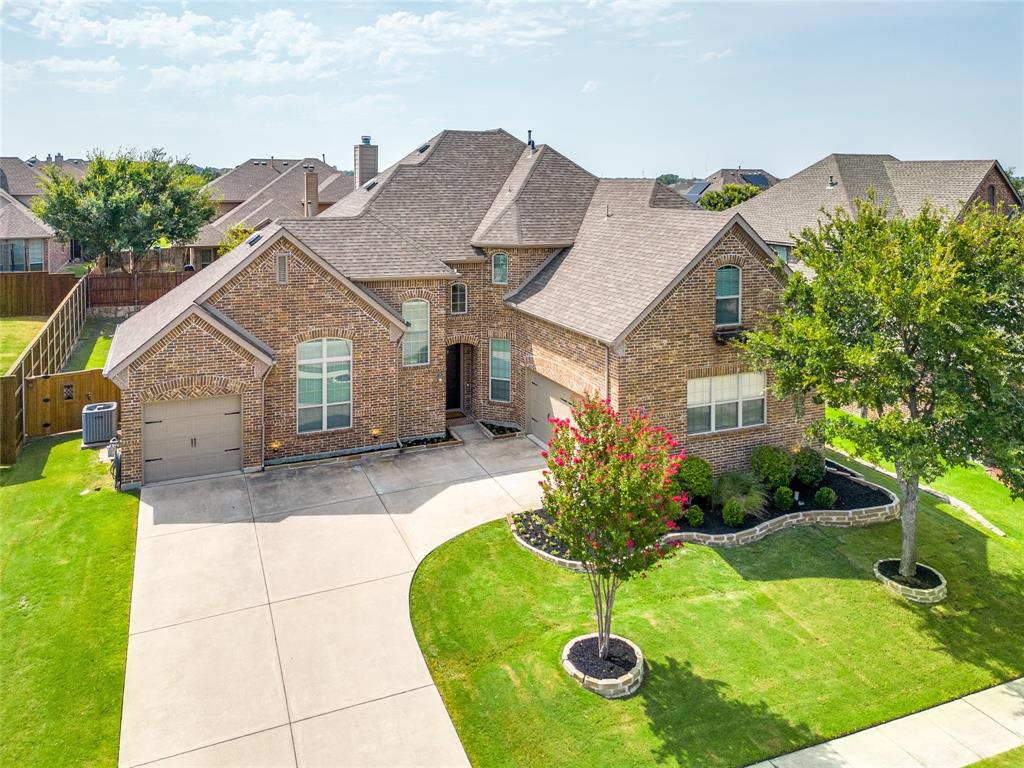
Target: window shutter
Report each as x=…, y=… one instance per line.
x=282, y=268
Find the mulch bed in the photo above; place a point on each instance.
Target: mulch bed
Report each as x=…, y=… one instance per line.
x=621, y=658
x=849, y=495
x=532, y=527
x=429, y=440
x=926, y=578
x=500, y=429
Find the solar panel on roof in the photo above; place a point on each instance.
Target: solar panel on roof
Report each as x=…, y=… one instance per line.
x=759, y=180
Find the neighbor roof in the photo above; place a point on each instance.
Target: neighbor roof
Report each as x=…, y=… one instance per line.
x=757, y=177
x=634, y=243
x=247, y=178
x=782, y=211
x=18, y=177
x=17, y=221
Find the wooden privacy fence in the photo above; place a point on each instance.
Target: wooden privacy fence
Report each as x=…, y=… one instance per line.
x=54, y=403
x=46, y=354
x=33, y=293
x=131, y=289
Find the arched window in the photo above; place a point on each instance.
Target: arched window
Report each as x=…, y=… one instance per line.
x=727, y=295
x=991, y=195
x=499, y=268
x=324, y=385
x=416, y=342
x=460, y=299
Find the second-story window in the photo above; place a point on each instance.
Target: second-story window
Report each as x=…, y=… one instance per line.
x=991, y=195
x=499, y=269
x=727, y=295
x=460, y=299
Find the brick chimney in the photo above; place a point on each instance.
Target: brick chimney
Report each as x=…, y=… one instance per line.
x=311, y=196
x=58, y=159
x=365, y=161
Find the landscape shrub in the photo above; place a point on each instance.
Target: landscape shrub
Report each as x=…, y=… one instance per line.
x=810, y=466
x=732, y=513
x=784, y=498
x=695, y=516
x=772, y=465
x=742, y=488
x=825, y=498
x=694, y=477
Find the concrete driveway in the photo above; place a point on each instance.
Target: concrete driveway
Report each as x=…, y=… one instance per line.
x=270, y=613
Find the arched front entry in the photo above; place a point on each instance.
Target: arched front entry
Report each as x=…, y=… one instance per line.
x=459, y=378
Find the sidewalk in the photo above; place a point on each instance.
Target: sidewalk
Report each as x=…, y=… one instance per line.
x=957, y=733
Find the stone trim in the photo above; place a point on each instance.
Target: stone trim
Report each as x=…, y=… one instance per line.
x=194, y=386
x=923, y=596
x=462, y=338
x=831, y=518
x=324, y=333
x=609, y=687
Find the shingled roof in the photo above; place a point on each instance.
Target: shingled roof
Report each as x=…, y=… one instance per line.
x=17, y=221
x=782, y=211
x=245, y=179
x=18, y=178
x=634, y=243
x=541, y=203
x=438, y=194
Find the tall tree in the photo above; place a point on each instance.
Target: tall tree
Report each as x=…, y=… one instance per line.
x=921, y=322
x=127, y=202
x=668, y=179
x=728, y=196
x=233, y=238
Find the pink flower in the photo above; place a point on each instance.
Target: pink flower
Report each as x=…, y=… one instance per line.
x=543, y=454
x=629, y=543
x=671, y=525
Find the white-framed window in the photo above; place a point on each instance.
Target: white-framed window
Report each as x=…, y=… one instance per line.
x=416, y=342
x=728, y=280
x=720, y=403
x=499, y=268
x=35, y=255
x=460, y=299
x=782, y=251
x=324, y=385
x=501, y=370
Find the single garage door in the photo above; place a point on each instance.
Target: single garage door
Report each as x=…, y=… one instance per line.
x=548, y=399
x=186, y=438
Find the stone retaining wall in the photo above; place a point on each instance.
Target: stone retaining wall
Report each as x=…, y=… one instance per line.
x=610, y=687
x=915, y=595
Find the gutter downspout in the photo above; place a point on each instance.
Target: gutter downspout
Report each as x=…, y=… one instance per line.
x=607, y=373
x=398, y=390
x=263, y=421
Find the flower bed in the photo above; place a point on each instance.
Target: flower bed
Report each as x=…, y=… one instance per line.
x=496, y=429
x=927, y=587
x=619, y=675
x=877, y=505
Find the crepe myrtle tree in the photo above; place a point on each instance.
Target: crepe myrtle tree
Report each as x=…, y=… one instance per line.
x=919, y=322
x=606, y=489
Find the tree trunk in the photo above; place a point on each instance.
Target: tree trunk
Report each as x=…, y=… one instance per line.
x=908, y=555
x=603, y=589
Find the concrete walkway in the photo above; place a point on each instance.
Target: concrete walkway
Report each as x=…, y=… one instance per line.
x=270, y=613
x=951, y=735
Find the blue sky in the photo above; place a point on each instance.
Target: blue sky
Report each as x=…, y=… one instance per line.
x=624, y=87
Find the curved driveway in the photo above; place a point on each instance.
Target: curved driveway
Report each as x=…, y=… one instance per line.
x=270, y=613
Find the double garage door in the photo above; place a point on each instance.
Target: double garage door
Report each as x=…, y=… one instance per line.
x=547, y=399
x=186, y=438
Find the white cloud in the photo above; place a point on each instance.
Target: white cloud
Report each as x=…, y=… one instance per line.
x=56, y=70
x=59, y=64
x=714, y=55
x=674, y=43
x=590, y=86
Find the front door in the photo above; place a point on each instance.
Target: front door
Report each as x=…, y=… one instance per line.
x=453, y=378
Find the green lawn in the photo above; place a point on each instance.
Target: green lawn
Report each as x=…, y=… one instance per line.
x=79, y=270
x=66, y=556
x=15, y=334
x=1012, y=759
x=93, y=345
x=752, y=652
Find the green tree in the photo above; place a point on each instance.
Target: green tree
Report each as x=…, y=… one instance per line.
x=728, y=196
x=208, y=172
x=1017, y=181
x=921, y=322
x=127, y=202
x=233, y=238
x=605, y=487
x=668, y=179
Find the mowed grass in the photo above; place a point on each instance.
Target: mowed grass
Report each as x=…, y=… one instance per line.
x=15, y=334
x=752, y=652
x=1012, y=759
x=65, y=589
x=93, y=345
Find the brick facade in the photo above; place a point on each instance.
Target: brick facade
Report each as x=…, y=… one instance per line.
x=1000, y=191
x=57, y=254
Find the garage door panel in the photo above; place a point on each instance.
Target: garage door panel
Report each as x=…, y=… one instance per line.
x=548, y=399
x=187, y=438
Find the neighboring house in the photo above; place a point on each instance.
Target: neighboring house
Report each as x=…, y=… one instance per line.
x=290, y=188
x=27, y=243
x=478, y=274
x=19, y=179
x=696, y=189
x=75, y=166
x=780, y=213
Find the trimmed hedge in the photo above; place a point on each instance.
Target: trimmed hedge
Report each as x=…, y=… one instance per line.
x=773, y=466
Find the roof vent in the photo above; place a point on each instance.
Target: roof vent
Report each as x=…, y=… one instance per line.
x=423, y=149
x=529, y=140
x=365, y=139
x=832, y=182
x=254, y=239
x=370, y=184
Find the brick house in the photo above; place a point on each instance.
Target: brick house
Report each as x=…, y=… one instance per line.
x=478, y=274
x=782, y=211
x=27, y=243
